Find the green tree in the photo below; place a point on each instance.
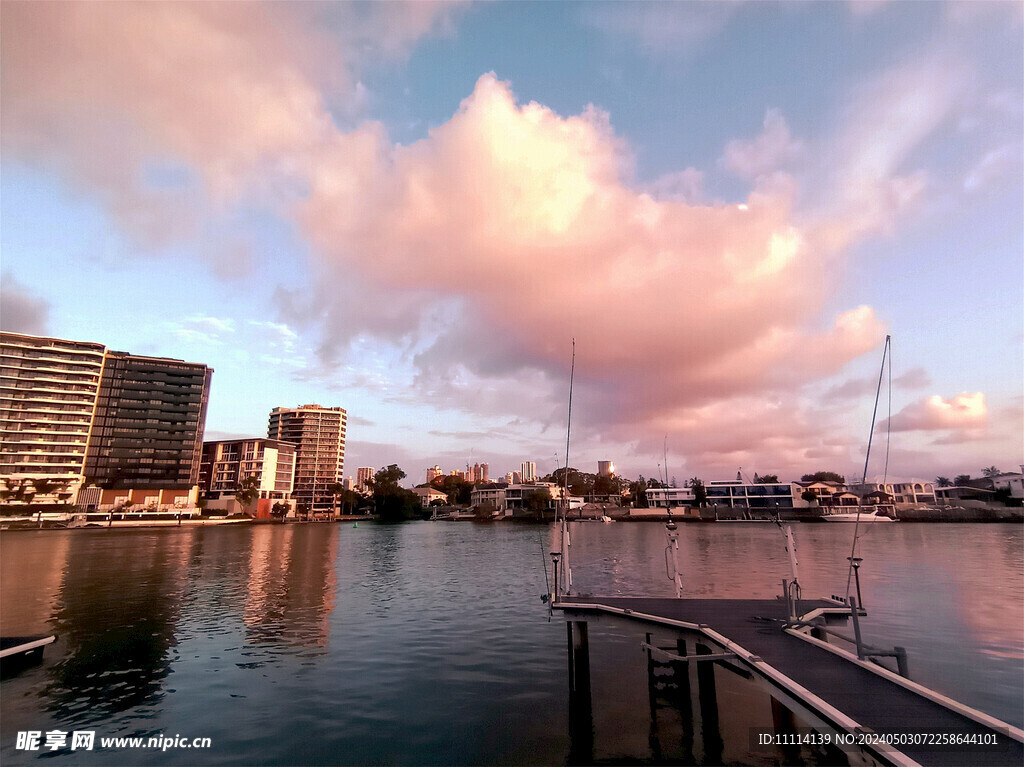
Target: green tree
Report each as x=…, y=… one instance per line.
x=991, y=471
x=336, y=489
x=279, y=510
x=18, y=491
x=638, y=493
x=943, y=482
x=766, y=479
x=458, y=490
x=961, y=479
x=535, y=502
x=823, y=476
x=391, y=501
x=580, y=483
x=605, y=485
x=247, y=492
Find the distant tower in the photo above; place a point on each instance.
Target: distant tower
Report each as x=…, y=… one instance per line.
x=529, y=472
x=605, y=469
x=319, y=436
x=363, y=475
x=485, y=472
x=433, y=473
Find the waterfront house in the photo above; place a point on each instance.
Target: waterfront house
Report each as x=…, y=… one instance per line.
x=429, y=495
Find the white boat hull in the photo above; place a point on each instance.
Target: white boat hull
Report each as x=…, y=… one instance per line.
x=854, y=517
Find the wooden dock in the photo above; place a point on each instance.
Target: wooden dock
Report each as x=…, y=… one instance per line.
x=828, y=687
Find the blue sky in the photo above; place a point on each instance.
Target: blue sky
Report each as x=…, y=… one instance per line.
x=411, y=210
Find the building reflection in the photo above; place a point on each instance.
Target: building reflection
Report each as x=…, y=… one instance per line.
x=292, y=585
x=115, y=615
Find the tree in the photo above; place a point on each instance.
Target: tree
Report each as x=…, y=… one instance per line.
x=961, y=479
x=536, y=502
x=766, y=479
x=18, y=491
x=349, y=501
x=247, y=491
x=392, y=502
x=580, y=483
x=700, y=493
x=809, y=495
x=279, y=510
x=336, y=489
x=991, y=471
x=459, y=491
x=638, y=493
x=943, y=482
x=824, y=476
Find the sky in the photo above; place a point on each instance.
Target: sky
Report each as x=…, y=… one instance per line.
x=418, y=211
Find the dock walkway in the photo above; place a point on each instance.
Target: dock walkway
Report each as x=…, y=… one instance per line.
x=842, y=691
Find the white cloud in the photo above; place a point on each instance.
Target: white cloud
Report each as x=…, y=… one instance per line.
x=767, y=153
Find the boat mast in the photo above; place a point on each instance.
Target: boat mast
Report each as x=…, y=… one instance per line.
x=853, y=559
x=566, y=569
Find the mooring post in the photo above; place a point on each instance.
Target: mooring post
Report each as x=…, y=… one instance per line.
x=652, y=699
x=784, y=723
x=901, y=662
x=581, y=715
x=856, y=628
x=710, y=732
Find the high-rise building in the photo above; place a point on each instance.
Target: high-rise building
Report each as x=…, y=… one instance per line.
x=605, y=469
x=48, y=391
x=363, y=476
x=319, y=436
x=485, y=472
x=148, y=427
x=529, y=472
x=72, y=413
x=433, y=473
x=227, y=462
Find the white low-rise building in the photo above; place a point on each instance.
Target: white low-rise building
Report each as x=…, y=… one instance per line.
x=669, y=497
x=510, y=498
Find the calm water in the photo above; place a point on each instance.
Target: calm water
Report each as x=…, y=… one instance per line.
x=427, y=643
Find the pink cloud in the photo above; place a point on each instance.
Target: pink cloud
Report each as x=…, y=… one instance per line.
x=966, y=410
x=237, y=91
x=479, y=250
x=527, y=218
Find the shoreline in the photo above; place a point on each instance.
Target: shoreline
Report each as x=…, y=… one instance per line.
x=912, y=516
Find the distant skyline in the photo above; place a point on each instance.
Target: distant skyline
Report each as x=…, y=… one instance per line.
x=410, y=210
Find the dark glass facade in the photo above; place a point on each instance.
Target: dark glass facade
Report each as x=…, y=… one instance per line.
x=148, y=427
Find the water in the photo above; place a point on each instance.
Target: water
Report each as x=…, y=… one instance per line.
x=427, y=643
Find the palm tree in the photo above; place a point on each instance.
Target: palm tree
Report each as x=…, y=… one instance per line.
x=700, y=493
x=961, y=479
x=335, y=489
x=943, y=482
x=991, y=471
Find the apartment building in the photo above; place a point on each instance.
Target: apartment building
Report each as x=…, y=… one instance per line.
x=147, y=429
x=318, y=434
x=48, y=389
x=226, y=463
x=74, y=413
